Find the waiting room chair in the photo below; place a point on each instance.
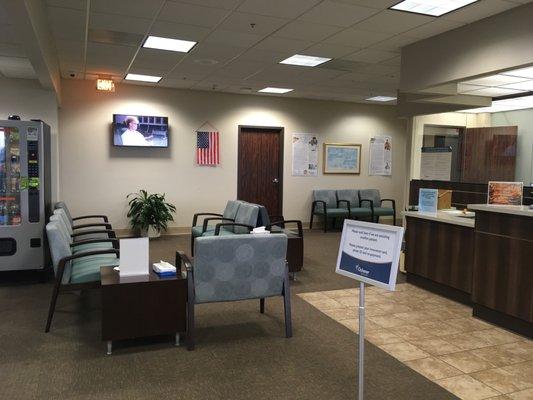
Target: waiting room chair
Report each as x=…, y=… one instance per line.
x=238, y=267
x=86, y=227
x=373, y=198
x=98, y=231
x=75, y=269
x=350, y=197
x=325, y=205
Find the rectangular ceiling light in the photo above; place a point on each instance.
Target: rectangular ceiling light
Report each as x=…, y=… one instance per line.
x=496, y=80
x=522, y=72
x=526, y=86
x=275, y=90
x=434, y=8
x=517, y=103
x=381, y=98
x=305, y=61
x=161, y=43
x=143, y=78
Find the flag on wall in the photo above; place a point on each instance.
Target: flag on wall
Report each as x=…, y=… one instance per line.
x=207, y=148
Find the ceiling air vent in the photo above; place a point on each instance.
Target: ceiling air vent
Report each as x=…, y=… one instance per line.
x=113, y=37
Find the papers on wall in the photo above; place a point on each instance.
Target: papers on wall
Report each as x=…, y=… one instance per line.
x=436, y=163
x=428, y=200
x=304, y=154
x=134, y=257
x=380, y=160
x=505, y=193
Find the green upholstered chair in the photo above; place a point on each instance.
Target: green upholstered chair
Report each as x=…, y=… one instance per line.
x=93, y=229
x=325, y=205
x=350, y=198
x=371, y=198
x=228, y=215
x=237, y=267
x=75, y=269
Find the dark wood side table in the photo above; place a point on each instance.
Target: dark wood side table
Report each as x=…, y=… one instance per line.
x=141, y=306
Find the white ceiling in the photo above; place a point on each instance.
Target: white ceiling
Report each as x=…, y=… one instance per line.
x=362, y=36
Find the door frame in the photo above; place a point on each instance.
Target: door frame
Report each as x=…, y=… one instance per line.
x=281, y=132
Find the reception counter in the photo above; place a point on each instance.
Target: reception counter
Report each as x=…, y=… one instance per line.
x=486, y=262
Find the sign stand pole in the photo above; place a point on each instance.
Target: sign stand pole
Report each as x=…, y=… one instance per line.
x=361, y=338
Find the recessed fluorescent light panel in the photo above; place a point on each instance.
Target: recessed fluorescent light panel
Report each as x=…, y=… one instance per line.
x=517, y=103
x=435, y=8
x=275, y=90
x=161, y=43
x=143, y=78
x=381, y=98
x=305, y=61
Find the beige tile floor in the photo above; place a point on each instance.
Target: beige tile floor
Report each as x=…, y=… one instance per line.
x=438, y=338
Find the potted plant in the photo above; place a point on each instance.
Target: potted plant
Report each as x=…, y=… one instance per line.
x=149, y=213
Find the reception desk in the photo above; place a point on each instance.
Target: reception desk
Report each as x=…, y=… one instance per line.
x=486, y=262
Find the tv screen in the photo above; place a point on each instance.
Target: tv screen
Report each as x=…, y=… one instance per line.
x=140, y=131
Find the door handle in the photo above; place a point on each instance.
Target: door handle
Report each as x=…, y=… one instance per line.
x=275, y=180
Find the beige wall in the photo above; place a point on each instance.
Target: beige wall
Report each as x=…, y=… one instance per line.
x=27, y=99
x=97, y=177
x=444, y=119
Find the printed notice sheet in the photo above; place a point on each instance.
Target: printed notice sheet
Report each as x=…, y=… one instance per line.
x=304, y=154
x=436, y=163
x=380, y=156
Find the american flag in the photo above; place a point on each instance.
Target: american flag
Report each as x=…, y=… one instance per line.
x=207, y=149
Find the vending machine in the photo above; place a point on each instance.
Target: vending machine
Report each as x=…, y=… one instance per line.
x=25, y=194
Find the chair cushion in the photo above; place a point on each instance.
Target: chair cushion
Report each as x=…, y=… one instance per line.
x=263, y=219
x=223, y=232
x=197, y=230
x=87, y=269
x=91, y=247
x=380, y=211
x=370, y=194
x=352, y=195
x=326, y=195
x=247, y=215
x=335, y=212
x=232, y=206
x=360, y=212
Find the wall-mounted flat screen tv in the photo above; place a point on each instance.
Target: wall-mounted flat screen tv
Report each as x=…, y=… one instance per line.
x=140, y=131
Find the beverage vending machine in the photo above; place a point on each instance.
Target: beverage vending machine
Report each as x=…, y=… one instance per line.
x=25, y=194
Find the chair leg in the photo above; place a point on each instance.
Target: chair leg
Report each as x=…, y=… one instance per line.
x=262, y=305
x=52, y=308
x=311, y=221
x=192, y=245
x=325, y=222
x=394, y=218
x=189, y=339
x=287, y=306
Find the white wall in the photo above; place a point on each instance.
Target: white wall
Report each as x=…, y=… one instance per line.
x=524, y=154
x=27, y=99
x=95, y=177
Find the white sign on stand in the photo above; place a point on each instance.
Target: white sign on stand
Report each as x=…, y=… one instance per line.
x=369, y=253
x=134, y=257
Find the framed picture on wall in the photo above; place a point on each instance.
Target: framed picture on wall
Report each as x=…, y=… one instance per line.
x=342, y=158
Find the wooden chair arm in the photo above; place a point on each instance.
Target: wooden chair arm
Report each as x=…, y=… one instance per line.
x=104, y=217
x=207, y=220
x=218, y=226
x=195, y=217
x=107, y=226
x=110, y=233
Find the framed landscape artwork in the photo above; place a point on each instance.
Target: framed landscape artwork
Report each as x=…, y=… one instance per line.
x=342, y=158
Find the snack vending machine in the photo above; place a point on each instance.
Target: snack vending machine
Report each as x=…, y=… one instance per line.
x=25, y=194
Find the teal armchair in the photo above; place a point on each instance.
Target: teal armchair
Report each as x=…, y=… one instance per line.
x=350, y=198
x=325, y=205
x=371, y=198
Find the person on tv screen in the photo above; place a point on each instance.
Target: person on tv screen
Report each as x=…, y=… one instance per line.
x=132, y=137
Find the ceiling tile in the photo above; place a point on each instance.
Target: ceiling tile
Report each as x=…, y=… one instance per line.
x=191, y=14
x=303, y=30
x=390, y=21
x=12, y=50
x=238, y=39
x=394, y=61
x=16, y=67
x=225, y=4
x=67, y=23
x=214, y=52
x=395, y=43
x=157, y=59
x=70, y=50
x=277, y=8
x=122, y=24
x=357, y=38
x=339, y=14
x=179, y=31
x=265, y=56
x=379, y=4
x=262, y=25
x=370, y=55
x=133, y=8
x=433, y=28
x=194, y=70
x=177, y=83
x=240, y=70
x=102, y=69
x=76, y=4
x=479, y=10
x=113, y=55
x=329, y=50
x=283, y=44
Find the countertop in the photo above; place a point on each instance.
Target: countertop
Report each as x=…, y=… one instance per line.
x=515, y=210
x=447, y=217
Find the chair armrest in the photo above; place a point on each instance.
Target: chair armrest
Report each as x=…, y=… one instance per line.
x=182, y=258
x=104, y=217
x=64, y=260
x=290, y=221
x=207, y=220
x=107, y=226
x=195, y=217
x=218, y=226
x=343, y=201
x=391, y=200
x=370, y=202
x=89, y=241
x=317, y=202
x=110, y=233
x=277, y=218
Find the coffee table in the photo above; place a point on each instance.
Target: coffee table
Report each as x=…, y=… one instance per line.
x=142, y=306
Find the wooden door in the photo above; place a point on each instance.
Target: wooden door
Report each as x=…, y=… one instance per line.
x=260, y=167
